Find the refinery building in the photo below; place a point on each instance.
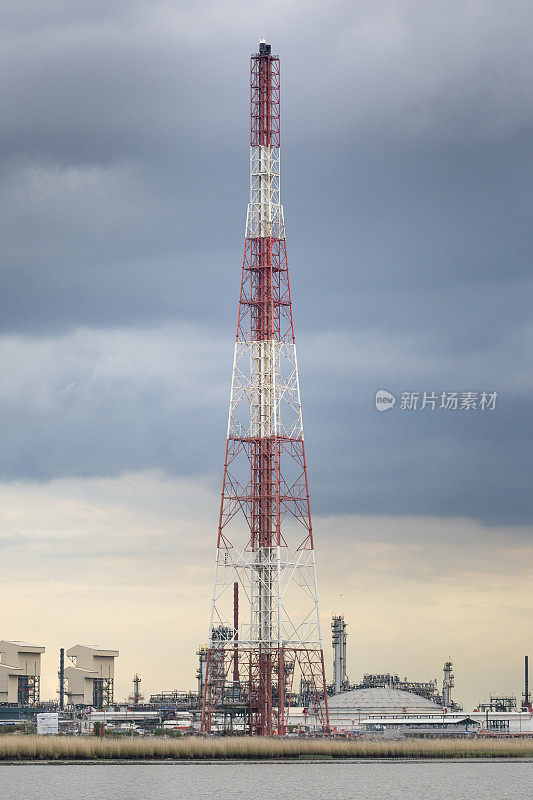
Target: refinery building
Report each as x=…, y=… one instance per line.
x=379, y=705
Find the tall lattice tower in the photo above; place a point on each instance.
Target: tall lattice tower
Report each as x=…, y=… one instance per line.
x=265, y=559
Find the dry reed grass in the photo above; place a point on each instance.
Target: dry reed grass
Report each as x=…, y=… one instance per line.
x=19, y=747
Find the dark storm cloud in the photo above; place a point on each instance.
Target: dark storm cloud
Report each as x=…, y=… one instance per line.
x=405, y=132
x=102, y=402
x=407, y=186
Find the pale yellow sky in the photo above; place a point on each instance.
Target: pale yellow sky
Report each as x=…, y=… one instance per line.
x=126, y=563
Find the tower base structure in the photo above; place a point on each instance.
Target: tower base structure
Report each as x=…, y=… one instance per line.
x=261, y=696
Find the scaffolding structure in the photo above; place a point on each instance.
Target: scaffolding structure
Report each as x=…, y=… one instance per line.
x=387, y=680
x=265, y=557
x=28, y=690
x=174, y=699
x=499, y=702
x=102, y=693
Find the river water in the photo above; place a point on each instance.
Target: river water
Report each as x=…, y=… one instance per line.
x=413, y=780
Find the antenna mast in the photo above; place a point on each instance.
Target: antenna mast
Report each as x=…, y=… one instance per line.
x=265, y=538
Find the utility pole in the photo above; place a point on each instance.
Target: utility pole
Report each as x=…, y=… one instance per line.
x=61, y=675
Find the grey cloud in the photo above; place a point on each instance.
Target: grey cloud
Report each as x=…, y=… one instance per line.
x=123, y=178
x=148, y=70
x=109, y=401
x=101, y=402
x=122, y=146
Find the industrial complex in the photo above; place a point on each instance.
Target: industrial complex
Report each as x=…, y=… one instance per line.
x=263, y=670
x=379, y=705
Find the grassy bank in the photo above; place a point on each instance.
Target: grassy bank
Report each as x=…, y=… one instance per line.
x=21, y=748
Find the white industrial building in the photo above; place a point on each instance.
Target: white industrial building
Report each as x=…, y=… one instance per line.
x=511, y=723
x=91, y=676
x=20, y=672
x=392, y=712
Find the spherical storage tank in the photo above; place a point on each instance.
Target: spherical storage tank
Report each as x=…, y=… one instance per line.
x=378, y=701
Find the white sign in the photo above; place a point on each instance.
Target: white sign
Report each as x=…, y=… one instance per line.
x=47, y=723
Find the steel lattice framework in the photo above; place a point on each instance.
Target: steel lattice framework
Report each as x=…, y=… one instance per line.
x=265, y=550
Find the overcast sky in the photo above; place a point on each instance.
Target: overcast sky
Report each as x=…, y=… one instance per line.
x=406, y=181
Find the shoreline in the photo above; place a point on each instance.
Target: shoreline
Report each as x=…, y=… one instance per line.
x=23, y=762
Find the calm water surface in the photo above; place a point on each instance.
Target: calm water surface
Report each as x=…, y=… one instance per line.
x=355, y=781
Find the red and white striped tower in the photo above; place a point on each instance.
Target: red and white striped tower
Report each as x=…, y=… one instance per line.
x=265, y=558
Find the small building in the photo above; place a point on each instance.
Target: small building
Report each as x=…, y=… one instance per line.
x=91, y=676
x=122, y=719
x=436, y=726
x=20, y=672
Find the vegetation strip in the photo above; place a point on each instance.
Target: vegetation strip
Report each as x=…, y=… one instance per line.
x=73, y=748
